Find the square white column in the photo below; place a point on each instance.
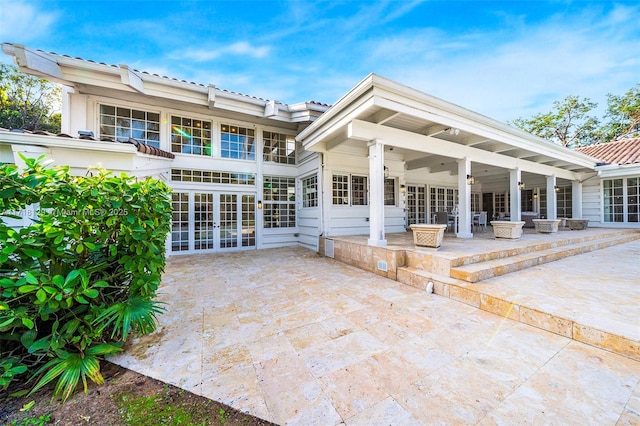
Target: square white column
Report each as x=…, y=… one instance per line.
x=464, y=200
x=376, y=194
x=552, y=199
x=515, y=200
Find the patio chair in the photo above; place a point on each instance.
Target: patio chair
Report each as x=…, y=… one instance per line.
x=442, y=218
x=480, y=221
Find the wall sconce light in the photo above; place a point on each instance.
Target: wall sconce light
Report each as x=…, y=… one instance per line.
x=403, y=189
x=470, y=180
x=386, y=172
x=556, y=188
x=535, y=196
x=259, y=204
x=520, y=185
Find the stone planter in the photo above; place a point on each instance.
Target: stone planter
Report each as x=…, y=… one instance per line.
x=577, y=224
x=428, y=235
x=507, y=229
x=546, y=226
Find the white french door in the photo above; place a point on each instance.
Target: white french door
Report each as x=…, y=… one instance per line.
x=213, y=221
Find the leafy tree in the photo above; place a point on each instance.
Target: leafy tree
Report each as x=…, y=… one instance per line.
x=78, y=281
x=27, y=102
x=623, y=113
x=569, y=124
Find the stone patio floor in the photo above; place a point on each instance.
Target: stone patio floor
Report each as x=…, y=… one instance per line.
x=295, y=338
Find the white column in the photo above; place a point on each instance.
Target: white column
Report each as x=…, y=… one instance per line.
x=464, y=199
x=576, y=199
x=376, y=194
x=515, y=203
x=552, y=201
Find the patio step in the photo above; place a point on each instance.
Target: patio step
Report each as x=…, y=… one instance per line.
x=515, y=260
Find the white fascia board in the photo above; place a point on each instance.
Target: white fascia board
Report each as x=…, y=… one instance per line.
x=342, y=119
x=615, y=170
x=61, y=142
x=365, y=131
x=308, y=136
x=33, y=59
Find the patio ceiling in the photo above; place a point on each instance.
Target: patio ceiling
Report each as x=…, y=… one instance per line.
x=427, y=132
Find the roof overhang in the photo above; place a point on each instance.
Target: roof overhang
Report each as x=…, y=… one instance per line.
x=400, y=116
x=83, y=74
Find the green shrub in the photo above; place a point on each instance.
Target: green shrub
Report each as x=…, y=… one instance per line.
x=83, y=276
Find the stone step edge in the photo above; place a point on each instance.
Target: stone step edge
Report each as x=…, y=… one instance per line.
x=505, y=253
x=455, y=290
x=496, y=267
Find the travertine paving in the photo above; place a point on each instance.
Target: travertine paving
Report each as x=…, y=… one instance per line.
x=295, y=338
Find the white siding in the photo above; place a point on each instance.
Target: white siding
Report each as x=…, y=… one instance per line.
x=592, y=202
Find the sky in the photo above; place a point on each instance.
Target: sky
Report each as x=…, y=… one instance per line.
x=503, y=59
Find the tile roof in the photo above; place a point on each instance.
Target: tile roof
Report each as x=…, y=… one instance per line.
x=159, y=76
x=141, y=147
x=625, y=151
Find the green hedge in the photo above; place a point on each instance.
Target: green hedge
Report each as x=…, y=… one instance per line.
x=79, y=280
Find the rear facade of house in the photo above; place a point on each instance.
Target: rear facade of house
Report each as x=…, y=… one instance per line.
x=249, y=173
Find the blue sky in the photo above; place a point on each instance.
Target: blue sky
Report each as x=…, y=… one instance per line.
x=503, y=59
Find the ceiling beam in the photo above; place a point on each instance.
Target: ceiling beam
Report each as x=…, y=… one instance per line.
x=362, y=130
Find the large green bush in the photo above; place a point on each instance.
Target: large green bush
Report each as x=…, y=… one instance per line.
x=83, y=276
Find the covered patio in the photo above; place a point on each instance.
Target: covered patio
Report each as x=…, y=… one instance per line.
x=423, y=155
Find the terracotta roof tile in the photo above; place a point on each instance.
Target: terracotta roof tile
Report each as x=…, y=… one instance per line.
x=626, y=151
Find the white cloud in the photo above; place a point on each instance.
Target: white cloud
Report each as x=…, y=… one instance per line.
x=21, y=22
x=240, y=48
x=518, y=71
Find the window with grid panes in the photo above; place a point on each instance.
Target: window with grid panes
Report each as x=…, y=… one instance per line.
x=310, y=192
x=123, y=123
x=613, y=200
x=180, y=221
x=475, y=201
x=359, y=189
x=416, y=205
x=442, y=199
x=633, y=199
x=279, y=148
x=190, y=136
x=248, y=220
x=237, y=142
x=207, y=176
x=279, y=206
x=340, y=190
x=564, y=202
x=390, y=192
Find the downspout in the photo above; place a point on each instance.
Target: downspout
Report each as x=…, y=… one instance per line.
x=321, y=194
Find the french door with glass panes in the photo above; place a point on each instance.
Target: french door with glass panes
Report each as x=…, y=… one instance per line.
x=213, y=221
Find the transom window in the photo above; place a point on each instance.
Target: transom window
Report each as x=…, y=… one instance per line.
x=237, y=142
x=310, y=192
x=279, y=148
x=190, y=136
x=207, y=176
x=124, y=123
x=279, y=202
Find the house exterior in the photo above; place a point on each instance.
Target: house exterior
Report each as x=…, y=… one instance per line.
x=250, y=173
